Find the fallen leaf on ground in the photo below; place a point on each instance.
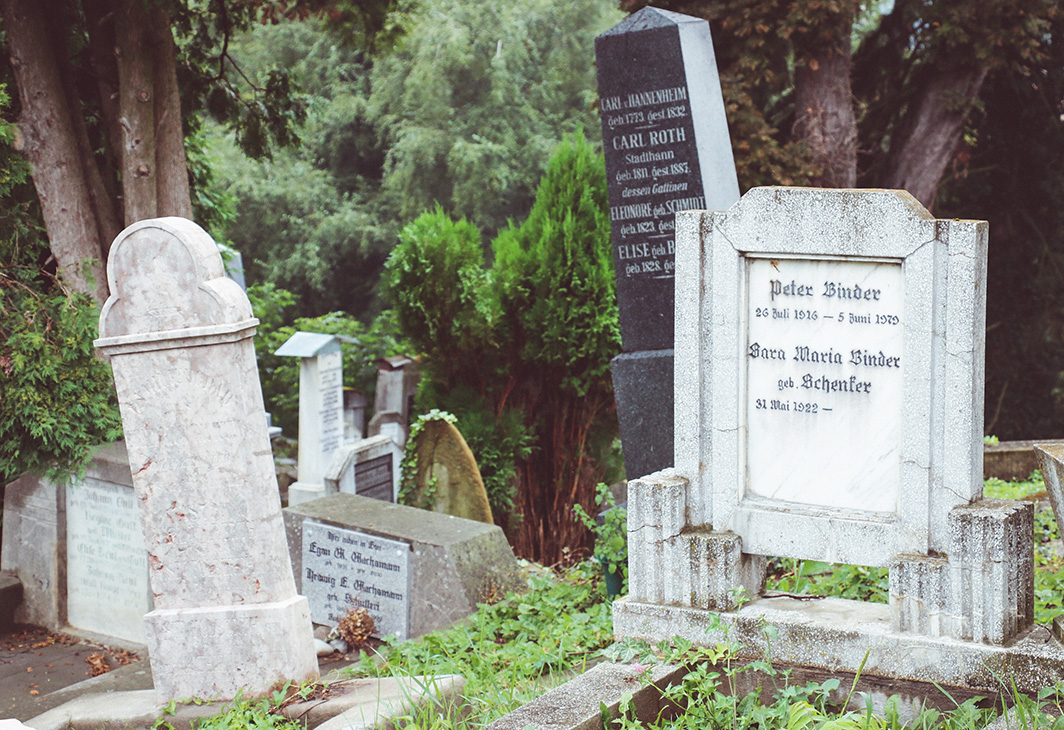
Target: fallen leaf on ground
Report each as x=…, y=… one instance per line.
x=98, y=663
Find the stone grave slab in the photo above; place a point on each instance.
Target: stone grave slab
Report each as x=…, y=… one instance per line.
x=346, y=569
x=107, y=563
x=667, y=149
x=79, y=551
x=453, y=563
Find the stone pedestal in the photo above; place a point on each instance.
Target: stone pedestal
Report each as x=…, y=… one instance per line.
x=983, y=590
x=710, y=569
x=178, y=334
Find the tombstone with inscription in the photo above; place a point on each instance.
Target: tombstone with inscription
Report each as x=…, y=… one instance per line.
x=829, y=392
x=227, y=618
x=414, y=571
x=321, y=409
x=78, y=550
x=667, y=150
x=369, y=468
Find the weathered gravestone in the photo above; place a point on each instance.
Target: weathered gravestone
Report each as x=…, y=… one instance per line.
x=414, y=571
x=78, y=550
x=447, y=479
x=829, y=392
x=393, y=403
x=178, y=333
x=368, y=468
x=667, y=149
x=321, y=409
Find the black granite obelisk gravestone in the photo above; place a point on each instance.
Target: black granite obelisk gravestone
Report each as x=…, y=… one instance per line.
x=667, y=149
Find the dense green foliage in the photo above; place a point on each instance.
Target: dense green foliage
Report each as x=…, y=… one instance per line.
x=1013, y=177
x=520, y=351
x=463, y=113
x=57, y=398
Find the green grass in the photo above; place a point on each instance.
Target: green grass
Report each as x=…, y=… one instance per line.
x=513, y=651
x=810, y=577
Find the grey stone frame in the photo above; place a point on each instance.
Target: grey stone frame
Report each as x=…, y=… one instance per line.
x=944, y=270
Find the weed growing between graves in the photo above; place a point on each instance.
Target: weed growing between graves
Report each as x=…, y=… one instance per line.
x=712, y=696
x=611, y=538
x=809, y=577
x=512, y=651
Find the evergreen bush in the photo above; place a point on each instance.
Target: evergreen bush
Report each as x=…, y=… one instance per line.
x=519, y=351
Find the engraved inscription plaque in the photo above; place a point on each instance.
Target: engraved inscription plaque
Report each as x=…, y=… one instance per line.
x=824, y=379
x=373, y=478
x=345, y=569
x=107, y=564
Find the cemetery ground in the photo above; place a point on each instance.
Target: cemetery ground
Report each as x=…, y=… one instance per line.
x=516, y=649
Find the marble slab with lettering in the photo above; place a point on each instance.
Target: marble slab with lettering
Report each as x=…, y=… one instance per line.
x=828, y=372
x=824, y=378
x=344, y=569
x=107, y=563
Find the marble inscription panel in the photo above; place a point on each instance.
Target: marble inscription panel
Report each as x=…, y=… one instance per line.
x=344, y=568
x=107, y=564
x=824, y=382
x=332, y=399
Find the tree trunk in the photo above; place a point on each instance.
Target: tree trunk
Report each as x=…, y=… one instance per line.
x=172, y=188
x=824, y=118
x=136, y=111
x=927, y=140
x=108, y=221
x=50, y=143
x=132, y=56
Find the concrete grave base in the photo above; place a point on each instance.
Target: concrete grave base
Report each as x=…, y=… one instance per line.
x=356, y=704
x=577, y=704
x=265, y=643
x=836, y=634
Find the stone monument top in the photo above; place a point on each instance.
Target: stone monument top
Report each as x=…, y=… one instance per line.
x=308, y=344
x=169, y=276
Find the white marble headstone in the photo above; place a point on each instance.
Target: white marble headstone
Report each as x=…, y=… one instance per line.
x=227, y=618
x=107, y=565
x=321, y=409
x=829, y=363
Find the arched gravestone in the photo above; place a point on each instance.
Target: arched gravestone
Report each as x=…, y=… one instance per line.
x=178, y=334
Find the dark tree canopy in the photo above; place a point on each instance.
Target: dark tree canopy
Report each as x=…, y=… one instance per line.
x=850, y=96
x=106, y=98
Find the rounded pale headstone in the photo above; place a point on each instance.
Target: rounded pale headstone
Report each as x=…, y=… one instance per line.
x=178, y=333
x=166, y=274
x=448, y=479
